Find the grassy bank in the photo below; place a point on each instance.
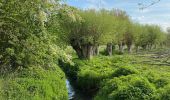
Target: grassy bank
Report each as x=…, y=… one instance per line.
x=34, y=84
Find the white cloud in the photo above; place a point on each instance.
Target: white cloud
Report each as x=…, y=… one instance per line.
x=150, y=20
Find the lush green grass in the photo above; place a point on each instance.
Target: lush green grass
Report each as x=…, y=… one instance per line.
x=34, y=84
x=121, y=77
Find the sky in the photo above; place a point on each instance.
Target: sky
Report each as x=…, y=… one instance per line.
x=156, y=14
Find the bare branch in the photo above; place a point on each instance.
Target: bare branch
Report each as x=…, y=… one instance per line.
x=142, y=6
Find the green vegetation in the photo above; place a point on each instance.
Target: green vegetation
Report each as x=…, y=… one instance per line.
x=38, y=36
x=34, y=84
x=121, y=77
x=29, y=52
x=130, y=87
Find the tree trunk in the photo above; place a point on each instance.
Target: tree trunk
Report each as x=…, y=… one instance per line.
x=121, y=47
x=137, y=48
x=84, y=51
x=78, y=51
x=96, y=50
x=109, y=49
x=155, y=46
x=77, y=47
x=149, y=46
x=89, y=51
x=129, y=48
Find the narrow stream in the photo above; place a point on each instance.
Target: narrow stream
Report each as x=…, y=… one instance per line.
x=75, y=94
x=71, y=91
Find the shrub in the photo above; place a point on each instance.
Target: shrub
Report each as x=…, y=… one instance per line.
x=163, y=93
x=123, y=71
x=158, y=80
x=88, y=80
x=161, y=82
x=130, y=87
x=166, y=94
x=91, y=73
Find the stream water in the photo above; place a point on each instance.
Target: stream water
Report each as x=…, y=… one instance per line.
x=71, y=91
x=75, y=94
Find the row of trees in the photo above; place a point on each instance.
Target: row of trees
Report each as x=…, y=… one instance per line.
x=85, y=30
x=149, y=36
x=30, y=37
x=168, y=37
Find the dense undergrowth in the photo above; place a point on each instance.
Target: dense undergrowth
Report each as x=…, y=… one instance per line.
x=119, y=78
x=34, y=84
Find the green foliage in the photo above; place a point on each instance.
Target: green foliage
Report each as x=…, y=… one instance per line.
x=126, y=88
x=25, y=40
x=148, y=35
x=70, y=69
x=123, y=71
x=167, y=38
x=87, y=26
x=161, y=83
x=157, y=80
x=29, y=51
x=88, y=80
x=34, y=84
x=163, y=93
x=33, y=37
x=89, y=74
x=118, y=78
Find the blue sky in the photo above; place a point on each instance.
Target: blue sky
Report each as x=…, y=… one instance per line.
x=157, y=14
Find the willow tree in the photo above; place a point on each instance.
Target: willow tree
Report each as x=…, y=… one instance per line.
x=147, y=36
x=114, y=25
x=123, y=32
x=155, y=35
x=110, y=24
x=83, y=29
x=138, y=31
x=71, y=23
x=92, y=29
